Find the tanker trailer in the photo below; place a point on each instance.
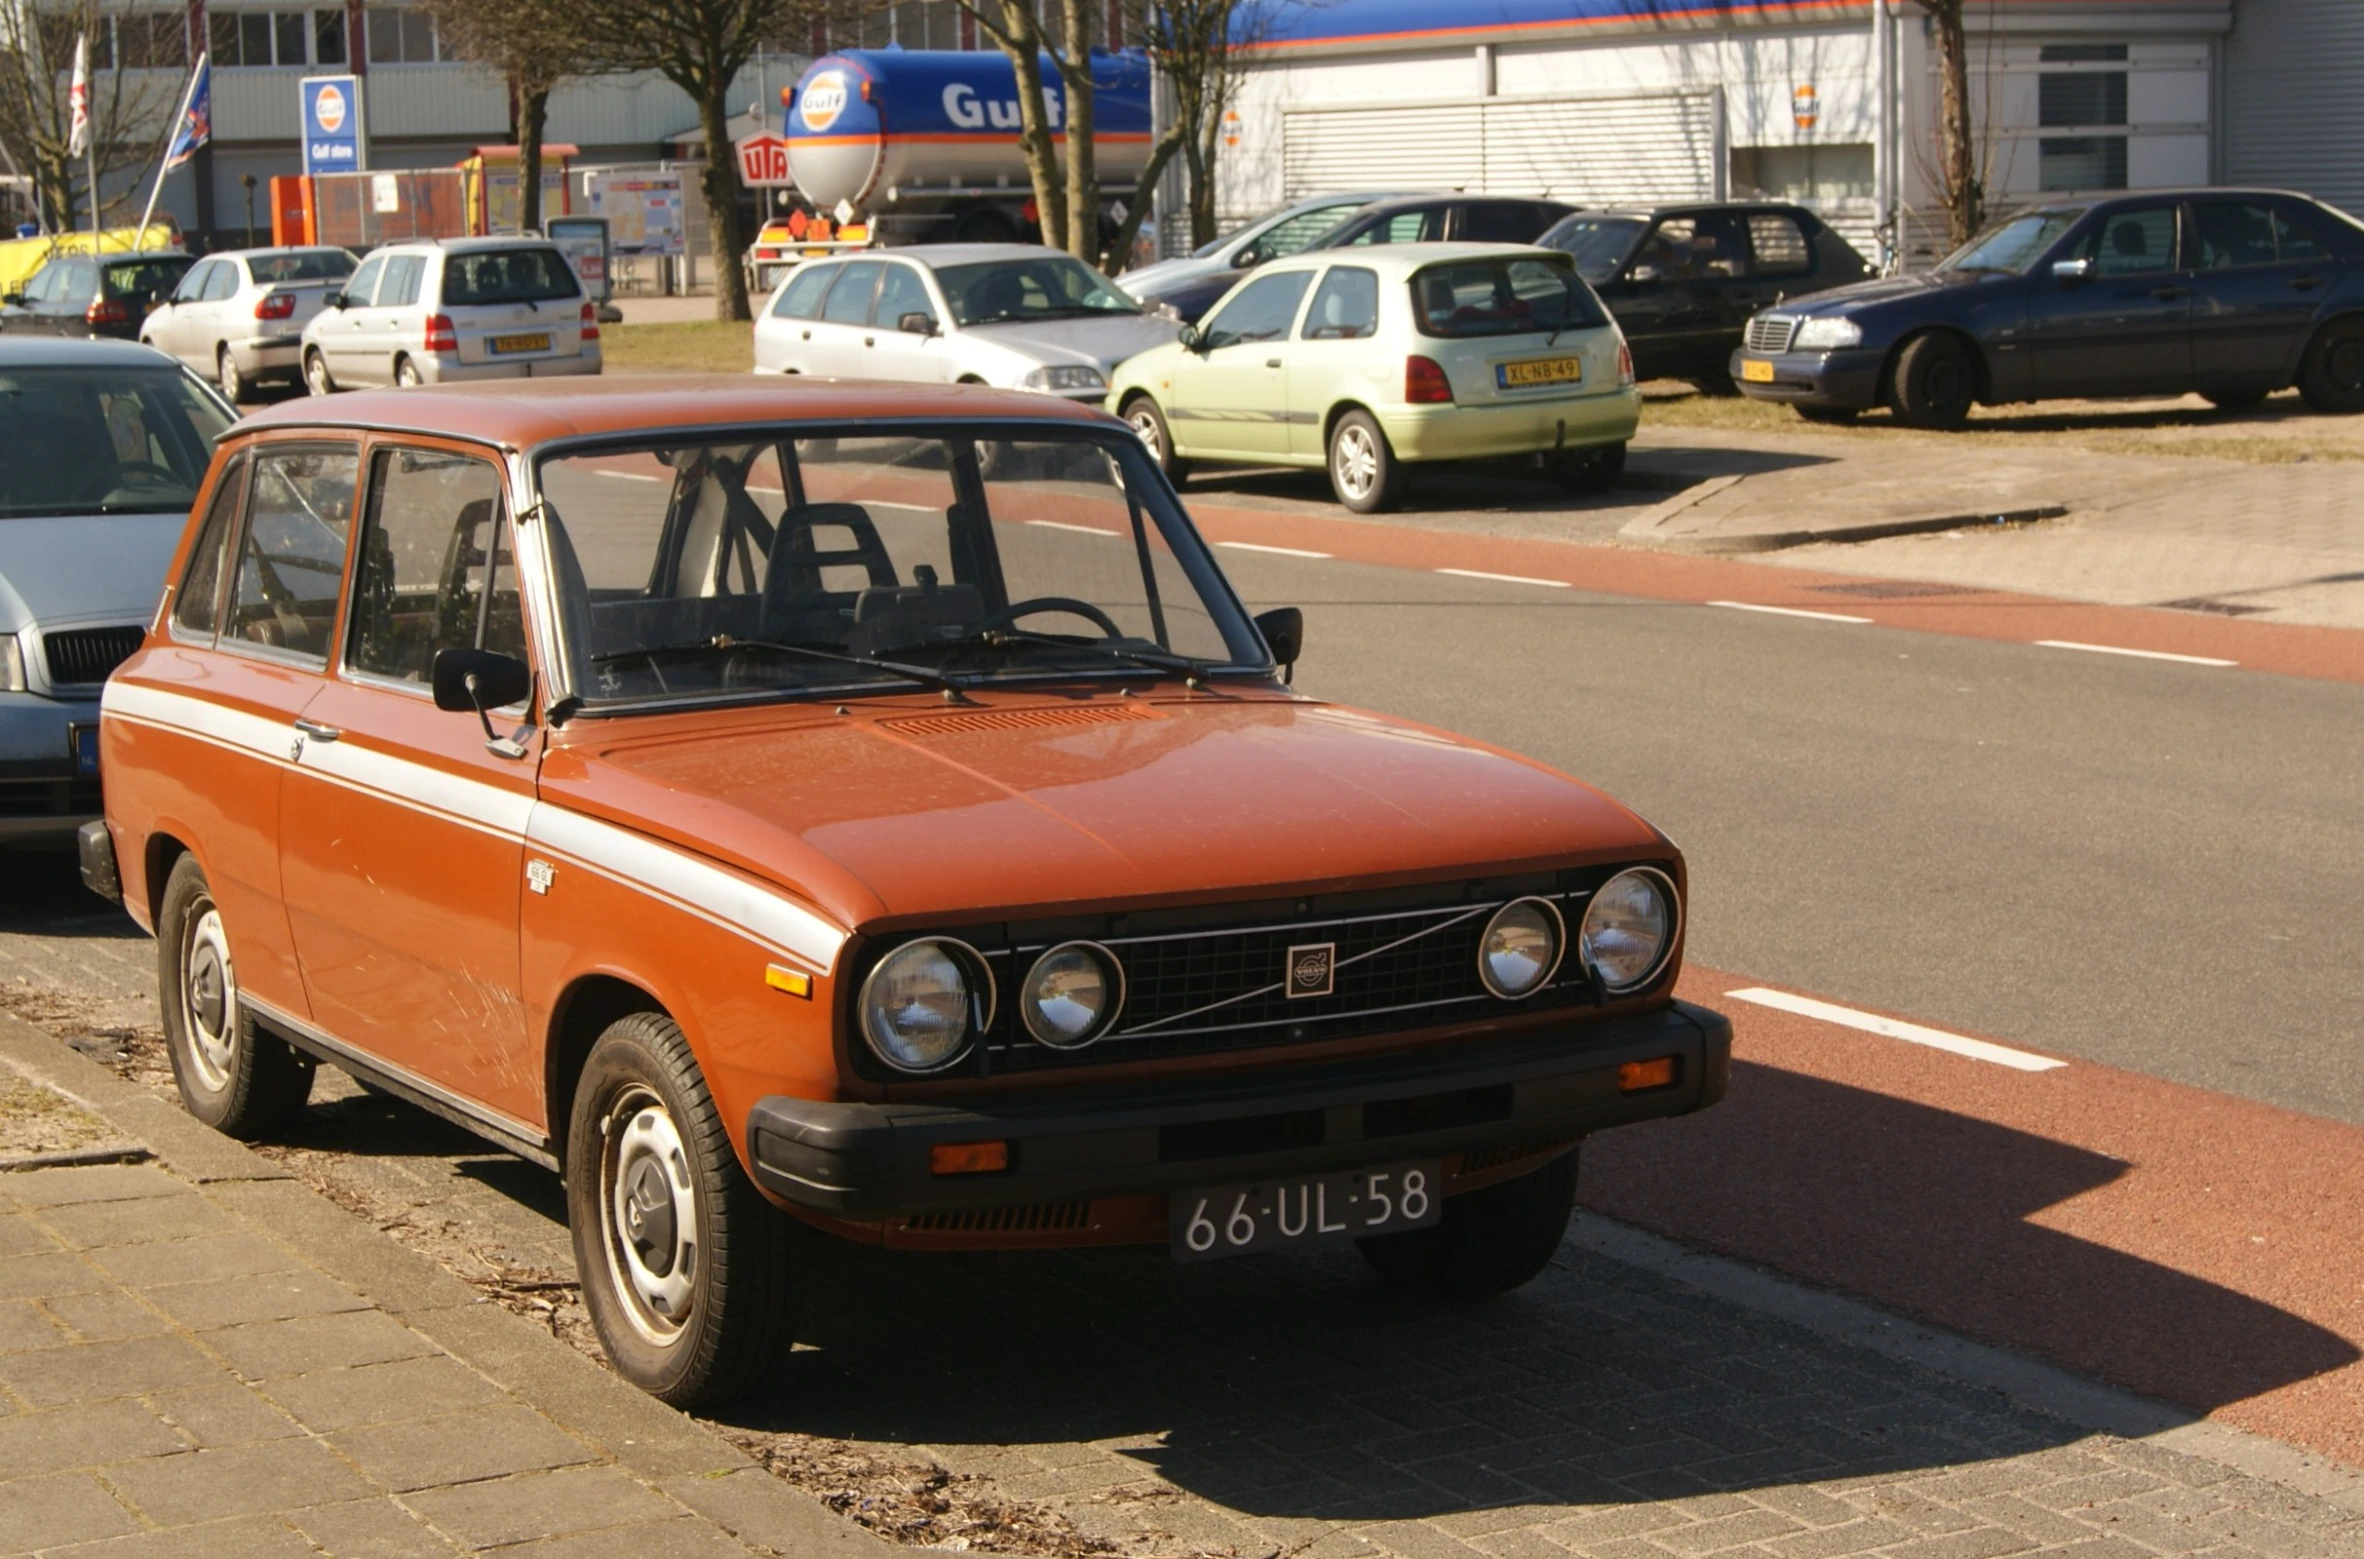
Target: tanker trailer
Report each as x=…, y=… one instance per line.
x=922, y=144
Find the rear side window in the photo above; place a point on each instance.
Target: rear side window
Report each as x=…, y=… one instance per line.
x=2293, y=240
x=291, y=558
x=1345, y=305
x=220, y=283
x=400, y=285
x=1778, y=244
x=436, y=571
x=507, y=276
x=801, y=298
x=1704, y=246
x=364, y=285
x=1502, y=222
x=197, y=608
x=1263, y=311
x=1405, y=227
x=1505, y=297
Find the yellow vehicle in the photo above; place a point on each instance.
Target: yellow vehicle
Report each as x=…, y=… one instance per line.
x=21, y=257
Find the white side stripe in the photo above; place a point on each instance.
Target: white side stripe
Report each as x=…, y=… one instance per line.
x=1890, y=1028
x=1088, y=530
x=202, y=718
x=417, y=787
x=1283, y=552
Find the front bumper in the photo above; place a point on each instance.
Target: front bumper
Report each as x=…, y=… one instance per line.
x=44, y=796
x=1850, y=378
x=444, y=370
x=864, y=1162
x=1481, y=432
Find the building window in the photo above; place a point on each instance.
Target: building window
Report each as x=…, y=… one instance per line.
x=314, y=36
x=128, y=40
x=2084, y=99
x=401, y=36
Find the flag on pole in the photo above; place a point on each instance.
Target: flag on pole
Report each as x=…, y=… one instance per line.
x=78, y=98
x=196, y=126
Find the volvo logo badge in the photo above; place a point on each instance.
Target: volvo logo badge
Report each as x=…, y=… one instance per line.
x=1312, y=969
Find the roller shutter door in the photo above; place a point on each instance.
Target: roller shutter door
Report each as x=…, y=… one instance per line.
x=2293, y=96
x=1584, y=150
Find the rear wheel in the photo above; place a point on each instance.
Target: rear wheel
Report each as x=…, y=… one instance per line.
x=1364, y=472
x=1488, y=1241
x=232, y=1076
x=1936, y=380
x=316, y=378
x=226, y=374
x=1146, y=420
x=2234, y=400
x=2331, y=375
x=406, y=374
x=686, y=1269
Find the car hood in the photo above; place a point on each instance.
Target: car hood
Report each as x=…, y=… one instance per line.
x=1098, y=343
x=941, y=814
x=84, y=568
x=1152, y=281
x=1884, y=289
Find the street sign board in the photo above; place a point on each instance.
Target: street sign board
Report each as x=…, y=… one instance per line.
x=643, y=208
x=334, y=138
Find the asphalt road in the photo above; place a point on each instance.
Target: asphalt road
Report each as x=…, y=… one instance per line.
x=2145, y=864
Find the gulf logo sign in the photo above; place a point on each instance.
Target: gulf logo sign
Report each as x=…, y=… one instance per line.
x=822, y=100
x=329, y=109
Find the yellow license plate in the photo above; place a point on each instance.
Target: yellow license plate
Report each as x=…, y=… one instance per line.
x=1545, y=370
x=520, y=343
x=1756, y=372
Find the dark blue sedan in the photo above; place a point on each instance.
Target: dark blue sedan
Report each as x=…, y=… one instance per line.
x=2231, y=293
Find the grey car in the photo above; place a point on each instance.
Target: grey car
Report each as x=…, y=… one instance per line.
x=450, y=310
x=1014, y=315
x=103, y=446
x=239, y=317
x=1190, y=286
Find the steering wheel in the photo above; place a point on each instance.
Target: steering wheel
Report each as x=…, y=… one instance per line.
x=1008, y=616
x=150, y=468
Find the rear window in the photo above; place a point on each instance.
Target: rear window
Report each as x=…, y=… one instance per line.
x=305, y=265
x=151, y=277
x=508, y=276
x=1505, y=297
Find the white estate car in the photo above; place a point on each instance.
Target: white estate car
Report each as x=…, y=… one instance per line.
x=438, y=311
x=1014, y=315
x=239, y=317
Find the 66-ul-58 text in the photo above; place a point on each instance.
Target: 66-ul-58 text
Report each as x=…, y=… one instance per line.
x=1234, y=1220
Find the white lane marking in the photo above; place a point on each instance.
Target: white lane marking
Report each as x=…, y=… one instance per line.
x=2119, y=649
x=631, y=476
x=1504, y=579
x=1088, y=530
x=1789, y=611
x=1910, y=1033
x=1286, y=552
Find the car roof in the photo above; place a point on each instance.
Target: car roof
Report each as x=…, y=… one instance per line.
x=937, y=256
x=270, y=250
x=465, y=245
x=126, y=257
x=77, y=352
x=1403, y=259
x=1400, y=202
x=1682, y=207
x=525, y=413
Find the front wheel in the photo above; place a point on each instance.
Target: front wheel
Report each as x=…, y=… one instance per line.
x=1149, y=424
x=1364, y=472
x=1936, y=380
x=316, y=379
x=234, y=1077
x=1488, y=1242
x=2331, y=375
x=685, y=1267
x=233, y=383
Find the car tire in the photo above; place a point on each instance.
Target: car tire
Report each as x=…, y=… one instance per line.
x=233, y=1076
x=316, y=376
x=1364, y=473
x=233, y=383
x=1150, y=424
x=406, y=374
x=1829, y=416
x=1716, y=386
x=687, y=1271
x=2331, y=374
x=1590, y=470
x=1488, y=1242
x=2235, y=400
x=1936, y=380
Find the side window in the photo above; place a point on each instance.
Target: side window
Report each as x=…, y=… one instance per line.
x=2132, y=243
x=1289, y=236
x=1706, y=246
x=192, y=285
x=223, y=283
x=1263, y=311
x=849, y=300
x=1345, y=305
x=900, y=293
x=2293, y=241
x=364, y=285
x=802, y=297
x=1500, y=222
x=400, y=286
x=197, y=606
x=291, y=558
x=436, y=570
x=1778, y=245
x=82, y=281
x=1405, y=227
x=2229, y=233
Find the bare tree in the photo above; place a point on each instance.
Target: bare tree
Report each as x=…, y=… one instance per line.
x=1197, y=46
x=127, y=108
x=535, y=45
x=1960, y=175
x=1068, y=210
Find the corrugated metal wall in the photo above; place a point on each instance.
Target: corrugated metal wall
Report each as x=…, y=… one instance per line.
x=2294, y=96
x=1583, y=149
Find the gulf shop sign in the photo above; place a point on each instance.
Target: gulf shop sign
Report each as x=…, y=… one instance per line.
x=333, y=137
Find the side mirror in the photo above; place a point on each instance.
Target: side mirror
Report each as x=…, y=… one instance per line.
x=917, y=323
x=483, y=680
x=1247, y=259
x=2070, y=271
x=13, y=299
x=1284, y=629
x=1190, y=340
x=335, y=300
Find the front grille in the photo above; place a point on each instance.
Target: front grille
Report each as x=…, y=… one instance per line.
x=1003, y=1220
x=85, y=657
x=1494, y=1158
x=22, y=798
x=1770, y=333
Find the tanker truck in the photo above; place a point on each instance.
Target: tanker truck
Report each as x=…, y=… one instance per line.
x=921, y=145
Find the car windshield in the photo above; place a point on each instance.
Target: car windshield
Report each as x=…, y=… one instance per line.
x=1600, y=244
x=508, y=276
x=1503, y=297
x=150, y=278
x=798, y=561
x=112, y=440
x=2015, y=245
x=303, y=265
x=1052, y=287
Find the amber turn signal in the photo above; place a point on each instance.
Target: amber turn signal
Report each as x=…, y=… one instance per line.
x=794, y=981
x=969, y=1158
x=1634, y=1076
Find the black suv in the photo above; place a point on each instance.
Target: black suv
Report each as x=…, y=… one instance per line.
x=2233, y=293
x=94, y=295
x=1681, y=281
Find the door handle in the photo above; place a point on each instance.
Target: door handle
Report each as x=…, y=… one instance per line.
x=2170, y=294
x=808, y=335
x=2306, y=283
x=318, y=732
x=1272, y=362
x=870, y=341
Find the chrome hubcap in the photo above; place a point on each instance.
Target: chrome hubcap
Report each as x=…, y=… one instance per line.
x=2347, y=364
x=209, y=1001
x=316, y=375
x=651, y=1212
x=1356, y=462
x=1145, y=427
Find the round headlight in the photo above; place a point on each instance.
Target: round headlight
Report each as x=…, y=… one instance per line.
x=1521, y=948
x=1072, y=995
x=1629, y=927
x=923, y=1001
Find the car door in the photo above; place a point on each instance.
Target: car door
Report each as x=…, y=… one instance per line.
x=2123, y=327
x=836, y=347
x=66, y=309
x=2257, y=277
x=1230, y=393
x=216, y=319
x=343, y=331
x=1670, y=293
x=1331, y=357
x=784, y=337
x=402, y=831
x=393, y=319
x=891, y=352
x=175, y=327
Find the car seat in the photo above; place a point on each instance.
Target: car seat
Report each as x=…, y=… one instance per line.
x=798, y=605
x=1001, y=292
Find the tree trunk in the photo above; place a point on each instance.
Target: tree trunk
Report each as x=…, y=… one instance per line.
x=1202, y=183
x=1965, y=199
x=533, y=117
x=1083, y=181
x=1120, y=246
x=720, y=182
x=1034, y=138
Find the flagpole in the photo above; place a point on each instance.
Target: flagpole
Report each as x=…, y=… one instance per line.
x=164, y=159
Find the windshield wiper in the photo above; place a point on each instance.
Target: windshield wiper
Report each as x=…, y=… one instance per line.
x=1191, y=671
x=950, y=687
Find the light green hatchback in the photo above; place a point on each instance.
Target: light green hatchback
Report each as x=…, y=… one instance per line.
x=1369, y=360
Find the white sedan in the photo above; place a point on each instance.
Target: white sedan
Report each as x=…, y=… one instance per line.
x=1014, y=315
x=238, y=318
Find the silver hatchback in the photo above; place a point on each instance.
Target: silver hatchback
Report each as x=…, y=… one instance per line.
x=440, y=311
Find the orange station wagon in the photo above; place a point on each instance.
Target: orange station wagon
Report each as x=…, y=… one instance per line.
x=816, y=810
